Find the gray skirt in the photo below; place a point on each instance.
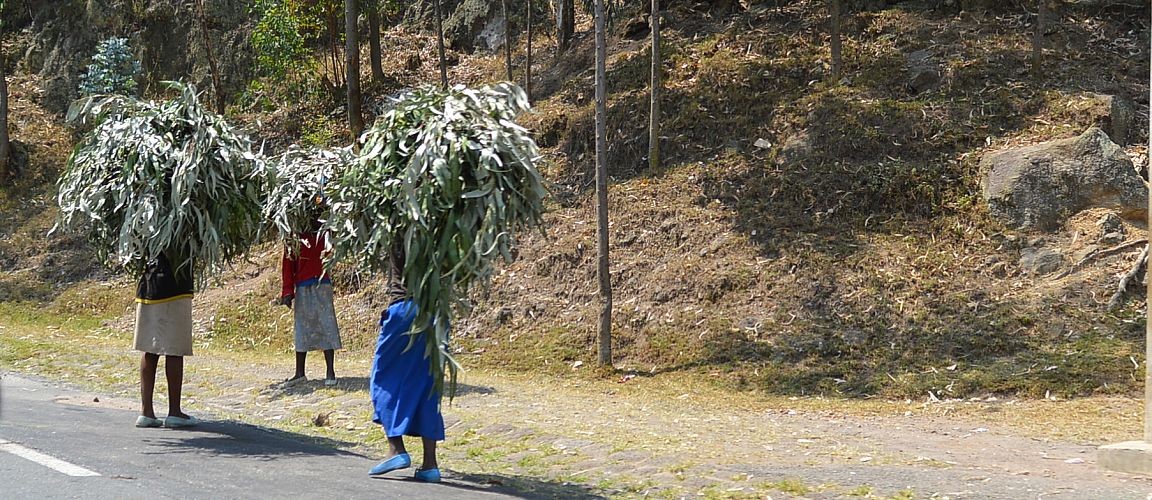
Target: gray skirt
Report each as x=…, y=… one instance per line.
x=315, y=317
x=164, y=328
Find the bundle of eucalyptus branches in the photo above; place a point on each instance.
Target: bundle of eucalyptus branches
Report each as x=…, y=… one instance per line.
x=296, y=199
x=449, y=177
x=161, y=177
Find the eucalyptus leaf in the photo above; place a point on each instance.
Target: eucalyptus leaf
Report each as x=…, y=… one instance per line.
x=153, y=177
x=450, y=177
x=298, y=179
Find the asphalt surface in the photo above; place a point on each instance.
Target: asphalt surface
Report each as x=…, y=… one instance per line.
x=52, y=448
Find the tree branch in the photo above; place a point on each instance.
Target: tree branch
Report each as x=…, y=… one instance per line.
x=1100, y=254
x=1122, y=287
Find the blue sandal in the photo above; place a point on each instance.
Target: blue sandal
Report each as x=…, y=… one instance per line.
x=401, y=461
x=428, y=475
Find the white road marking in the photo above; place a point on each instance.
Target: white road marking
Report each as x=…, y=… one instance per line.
x=45, y=460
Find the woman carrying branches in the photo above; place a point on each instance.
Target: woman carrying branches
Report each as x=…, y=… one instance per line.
x=439, y=187
x=404, y=396
x=170, y=192
x=306, y=282
x=164, y=328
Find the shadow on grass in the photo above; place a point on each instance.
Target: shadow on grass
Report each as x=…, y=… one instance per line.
x=350, y=384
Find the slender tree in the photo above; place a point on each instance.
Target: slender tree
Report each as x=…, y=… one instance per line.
x=507, y=40
x=528, y=58
x=333, y=60
x=834, y=34
x=565, y=23
x=656, y=90
x=440, y=45
x=605, y=332
x=1038, y=37
x=5, y=142
x=352, y=68
x=206, y=40
x=374, y=53
x=1148, y=310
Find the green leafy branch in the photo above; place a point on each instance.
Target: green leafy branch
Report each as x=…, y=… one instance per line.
x=449, y=177
x=155, y=177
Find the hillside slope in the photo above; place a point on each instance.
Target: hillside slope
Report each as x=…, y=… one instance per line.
x=853, y=256
x=865, y=266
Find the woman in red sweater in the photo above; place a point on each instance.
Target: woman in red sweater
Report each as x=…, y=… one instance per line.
x=308, y=285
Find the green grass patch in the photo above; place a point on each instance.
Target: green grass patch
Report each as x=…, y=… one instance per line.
x=250, y=322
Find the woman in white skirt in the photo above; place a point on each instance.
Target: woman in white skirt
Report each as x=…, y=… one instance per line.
x=307, y=284
x=164, y=328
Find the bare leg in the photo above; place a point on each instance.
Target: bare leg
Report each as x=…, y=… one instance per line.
x=174, y=373
x=429, y=455
x=396, y=446
x=148, y=364
x=301, y=357
x=329, y=359
x=397, y=458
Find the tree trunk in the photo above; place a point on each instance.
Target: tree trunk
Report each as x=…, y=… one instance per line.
x=656, y=90
x=507, y=40
x=834, y=34
x=1148, y=313
x=528, y=58
x=217, y=86
x=5, y=143
x=565, y=24
x=333, y=59
x=374, y=53
x=352, y=69
x=605, y=335
x=440, y=45
x=1038, y=38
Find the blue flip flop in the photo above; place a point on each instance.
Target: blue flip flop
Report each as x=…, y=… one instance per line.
x=401, y=461
x=428, y=475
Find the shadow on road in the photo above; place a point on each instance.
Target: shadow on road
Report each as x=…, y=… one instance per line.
x=516, y=486
x=231, y=438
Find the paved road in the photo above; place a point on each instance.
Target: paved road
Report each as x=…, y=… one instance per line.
x=50, y=450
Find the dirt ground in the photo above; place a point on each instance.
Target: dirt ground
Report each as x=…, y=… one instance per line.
x=667, y=437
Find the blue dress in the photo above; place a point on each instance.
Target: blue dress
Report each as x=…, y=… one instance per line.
x=401, y=384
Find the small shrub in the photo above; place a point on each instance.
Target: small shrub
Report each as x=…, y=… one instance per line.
x=113, y=69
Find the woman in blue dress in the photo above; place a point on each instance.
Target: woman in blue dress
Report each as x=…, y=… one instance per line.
x=401, y=384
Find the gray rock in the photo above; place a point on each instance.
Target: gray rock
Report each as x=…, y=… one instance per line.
x=503, y=315
x=1114, y=115
x=1112, y=238
x=1110, y=223
x=924, y=79
x=1040, y=260
x=924, y=74
x=491, y=37
x=796, y=149
x=1039, y=186
x=471, y=25
x=58, y=52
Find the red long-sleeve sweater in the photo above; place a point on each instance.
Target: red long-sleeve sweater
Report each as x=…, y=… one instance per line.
x=306, y=267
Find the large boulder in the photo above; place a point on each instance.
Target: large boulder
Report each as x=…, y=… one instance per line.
x=477, y=25
x=165, y=35
x=1038, y=187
